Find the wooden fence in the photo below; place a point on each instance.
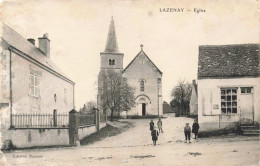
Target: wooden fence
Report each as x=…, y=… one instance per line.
x=40, y=120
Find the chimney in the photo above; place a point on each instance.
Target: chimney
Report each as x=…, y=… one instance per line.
x=31, y=41
x=44, y=44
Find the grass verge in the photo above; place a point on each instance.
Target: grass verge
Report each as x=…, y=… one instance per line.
x=107, y=131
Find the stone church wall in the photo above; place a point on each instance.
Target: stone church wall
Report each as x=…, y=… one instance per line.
x=142, y=69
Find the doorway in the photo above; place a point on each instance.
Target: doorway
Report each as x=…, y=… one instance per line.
x=246, y=106
x=143, y=109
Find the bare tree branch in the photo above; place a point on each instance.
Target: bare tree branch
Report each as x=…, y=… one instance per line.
x=115, y=94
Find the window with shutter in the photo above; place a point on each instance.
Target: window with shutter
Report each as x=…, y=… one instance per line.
x=34, y=86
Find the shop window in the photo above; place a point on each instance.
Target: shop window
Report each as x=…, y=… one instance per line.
x=229, y=100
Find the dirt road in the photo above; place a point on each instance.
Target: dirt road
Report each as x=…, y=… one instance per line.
x=134, y=147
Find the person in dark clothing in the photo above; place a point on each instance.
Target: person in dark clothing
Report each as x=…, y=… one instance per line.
x=195, y=128
x=155, y=135
x=151, y=125
x=187, y=131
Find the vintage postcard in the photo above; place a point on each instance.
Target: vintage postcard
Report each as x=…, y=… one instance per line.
x=129, y=82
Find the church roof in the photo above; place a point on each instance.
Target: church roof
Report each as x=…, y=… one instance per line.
x=14, y=39
x=111, y=44
x=147, y=58
x=167, y=108
x=229, y=61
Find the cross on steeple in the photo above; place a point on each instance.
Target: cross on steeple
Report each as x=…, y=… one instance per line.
x=142, y=46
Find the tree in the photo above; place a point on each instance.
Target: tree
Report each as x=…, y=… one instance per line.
x=181, y=97
x=114, y=92
x=88, y=107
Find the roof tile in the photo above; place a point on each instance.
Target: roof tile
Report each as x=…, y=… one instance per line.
x=229, y=61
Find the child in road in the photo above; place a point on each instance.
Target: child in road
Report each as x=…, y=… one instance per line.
x=187, y=131
x=151, y=125
x=159, y=124
x=195, y=128
x=155, y=135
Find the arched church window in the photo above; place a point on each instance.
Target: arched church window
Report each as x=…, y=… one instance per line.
x=142, y=85
x=110, y=62
x=159, y=80
x=113, y=62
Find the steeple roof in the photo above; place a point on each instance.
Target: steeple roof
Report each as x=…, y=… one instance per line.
x=111, y=45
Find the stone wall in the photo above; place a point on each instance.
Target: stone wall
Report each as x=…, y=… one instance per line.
x=26, y=138
x=88, y=130
x=142, y=69
x=105, y=60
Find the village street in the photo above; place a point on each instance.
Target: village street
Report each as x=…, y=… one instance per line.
x=134, y=147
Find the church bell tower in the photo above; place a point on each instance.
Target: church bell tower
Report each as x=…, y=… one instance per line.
x=111, y=58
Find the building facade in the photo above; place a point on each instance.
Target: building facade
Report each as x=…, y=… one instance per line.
x=194, y=100
x=141, y=73
x=30, y=82
x=228, y=86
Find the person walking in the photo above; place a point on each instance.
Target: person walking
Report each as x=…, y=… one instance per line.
x=155, y=135
x=159, y=124
x=195, y=128
x=151, y=125
x=187, y=131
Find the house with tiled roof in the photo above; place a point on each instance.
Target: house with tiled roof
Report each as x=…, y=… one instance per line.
x=141, y=73
x=167, y=109
x=228, y=85
x=30, y=82
x=194, y=99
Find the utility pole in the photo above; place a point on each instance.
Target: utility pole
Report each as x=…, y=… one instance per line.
x=158, y=87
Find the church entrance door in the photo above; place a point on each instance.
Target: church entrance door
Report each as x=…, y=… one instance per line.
x=143, y=109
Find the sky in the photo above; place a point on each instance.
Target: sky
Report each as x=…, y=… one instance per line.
x=78, y=31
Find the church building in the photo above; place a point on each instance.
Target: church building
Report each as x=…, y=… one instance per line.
x=141, y=74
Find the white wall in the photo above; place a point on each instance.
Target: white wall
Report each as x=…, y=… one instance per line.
x=209, y=95
x=49, y=85
x=22, y=138
x=88, y=130
x=193, y=102
x=146, y=71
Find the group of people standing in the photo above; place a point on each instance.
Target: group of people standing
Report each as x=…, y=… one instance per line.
x=195, y=130
x=187, y=130
x=154, y=131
